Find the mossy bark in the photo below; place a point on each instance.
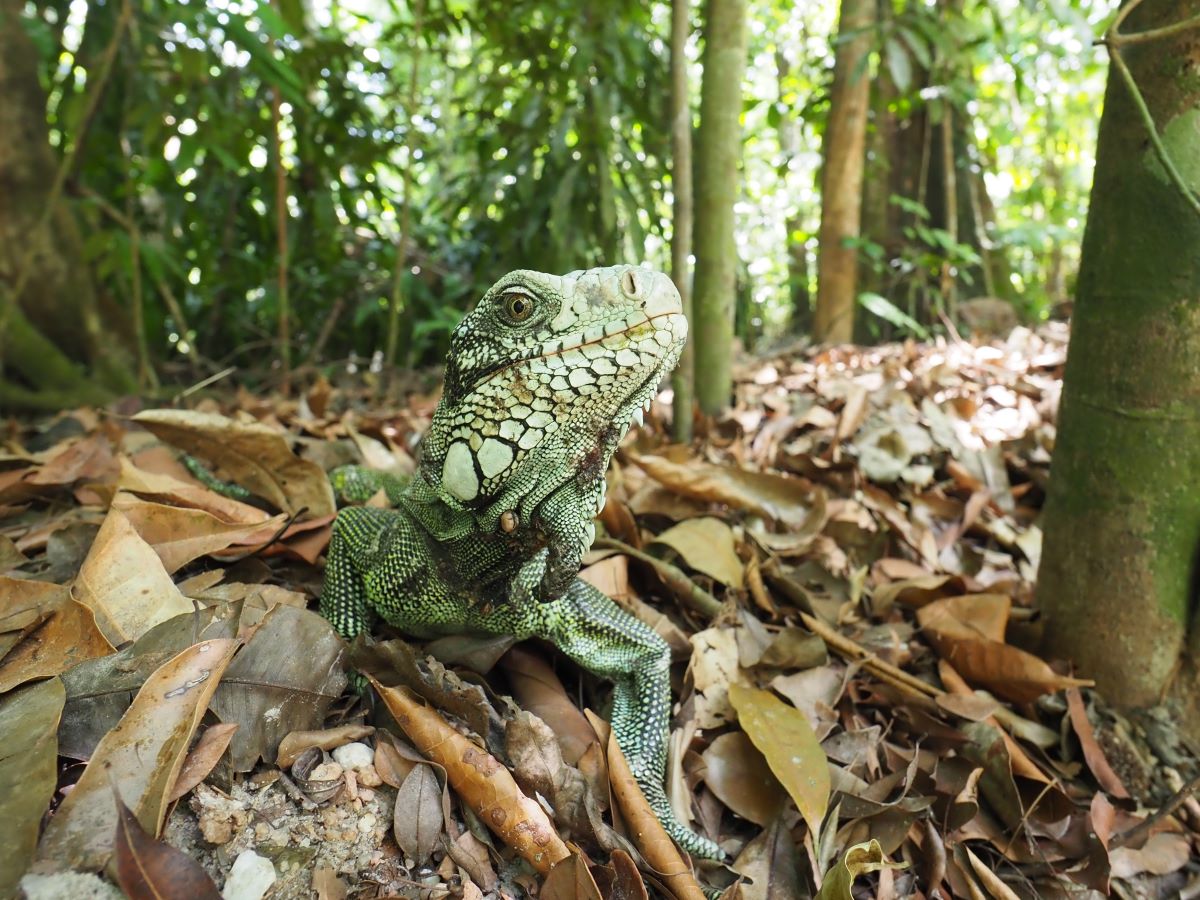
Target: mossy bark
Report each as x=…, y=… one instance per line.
x=54, y=324
x=718, y=148
x=1122, y=523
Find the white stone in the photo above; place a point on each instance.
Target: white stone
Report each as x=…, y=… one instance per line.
x=355, y=755
x=249, y=878
x=458, y=472
x=494, y=457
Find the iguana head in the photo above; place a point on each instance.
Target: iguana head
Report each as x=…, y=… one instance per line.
x=543, y=378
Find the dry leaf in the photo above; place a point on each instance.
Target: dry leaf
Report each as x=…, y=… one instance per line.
x=788, y=743
x=707, y=545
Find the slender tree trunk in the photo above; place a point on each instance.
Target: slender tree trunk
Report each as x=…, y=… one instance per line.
x=843, y=154
x=790, y=136
x=681, y=212
x=1120, y=565
x=718, y=147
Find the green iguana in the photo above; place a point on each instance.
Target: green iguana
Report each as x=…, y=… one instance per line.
x=543, y=379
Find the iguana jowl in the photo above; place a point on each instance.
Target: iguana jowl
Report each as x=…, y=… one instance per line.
x=543, y=378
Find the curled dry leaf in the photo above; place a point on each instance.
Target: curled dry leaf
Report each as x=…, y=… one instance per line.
x=538, y=689
x=173, y=490
x=479, y=779
x=861, y=859
x=202, y=758
x=778, y=497
x=647, y=832
x=180, y=535
x=253, y=455
x=786, y=739
x=968, y=632
x=296, y=742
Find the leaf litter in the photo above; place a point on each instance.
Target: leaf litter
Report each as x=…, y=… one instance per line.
x=843, y=567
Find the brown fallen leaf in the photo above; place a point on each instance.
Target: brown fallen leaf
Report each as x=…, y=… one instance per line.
x=43, y=632
x=1093, y=755
x=778, y=497
x=149, y=869
x=253, y=455
x=739, y=775
x=123, y=582
x=29, y=719
x=90, y=457
x=181, y=535
x=536, y=687
x=202, y=758
x=647, y=832
x=968, y=632
x=479, y=779
x=140, y=758
x=417, y=823
x=570, y=880
x=169, y=489
x=296, y=742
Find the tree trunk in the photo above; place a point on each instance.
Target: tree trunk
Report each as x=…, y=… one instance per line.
x=718, y=146
x=48, y=311
x=843, y=154
x=1122, y=523
x=682, y=381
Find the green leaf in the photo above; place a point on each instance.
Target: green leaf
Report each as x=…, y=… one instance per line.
x=899, y=64
x=885, y=309
x=787, y=741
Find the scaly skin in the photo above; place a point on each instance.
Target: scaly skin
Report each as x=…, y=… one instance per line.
x=542, y=380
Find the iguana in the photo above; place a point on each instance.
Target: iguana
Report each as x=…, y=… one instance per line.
x=543, y=378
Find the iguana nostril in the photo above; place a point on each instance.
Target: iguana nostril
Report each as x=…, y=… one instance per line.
x=629, y=284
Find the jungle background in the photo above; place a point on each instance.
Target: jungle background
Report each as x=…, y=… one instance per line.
x=932, y=575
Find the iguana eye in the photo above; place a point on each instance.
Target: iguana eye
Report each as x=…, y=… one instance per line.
x=517, y=307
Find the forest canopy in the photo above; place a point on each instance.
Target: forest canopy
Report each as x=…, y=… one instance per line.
x=363, y=170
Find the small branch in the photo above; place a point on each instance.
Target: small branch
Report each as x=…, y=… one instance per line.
x=1152, y=34
x=1151, y=129
x=1141, y=830
x=1114, y=40
x=686, y=590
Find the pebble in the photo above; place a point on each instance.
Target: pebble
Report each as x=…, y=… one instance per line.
x=355, y=755
x=249, y=878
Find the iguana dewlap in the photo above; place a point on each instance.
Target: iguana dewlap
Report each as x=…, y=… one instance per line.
x=543, y=378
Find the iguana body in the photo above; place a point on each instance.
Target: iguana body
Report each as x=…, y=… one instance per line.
x=543, y=379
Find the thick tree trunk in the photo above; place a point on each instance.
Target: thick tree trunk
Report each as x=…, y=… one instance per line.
x=47, y=304
x=682, y=381
x=843, y=154
x=718, y=146
x=1119, y=571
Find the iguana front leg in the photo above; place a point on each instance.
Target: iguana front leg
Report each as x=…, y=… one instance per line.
x=604, y=639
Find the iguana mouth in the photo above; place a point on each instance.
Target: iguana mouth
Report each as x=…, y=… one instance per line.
x=580, y=339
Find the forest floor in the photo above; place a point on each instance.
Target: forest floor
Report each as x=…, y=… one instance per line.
x=844, y=567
